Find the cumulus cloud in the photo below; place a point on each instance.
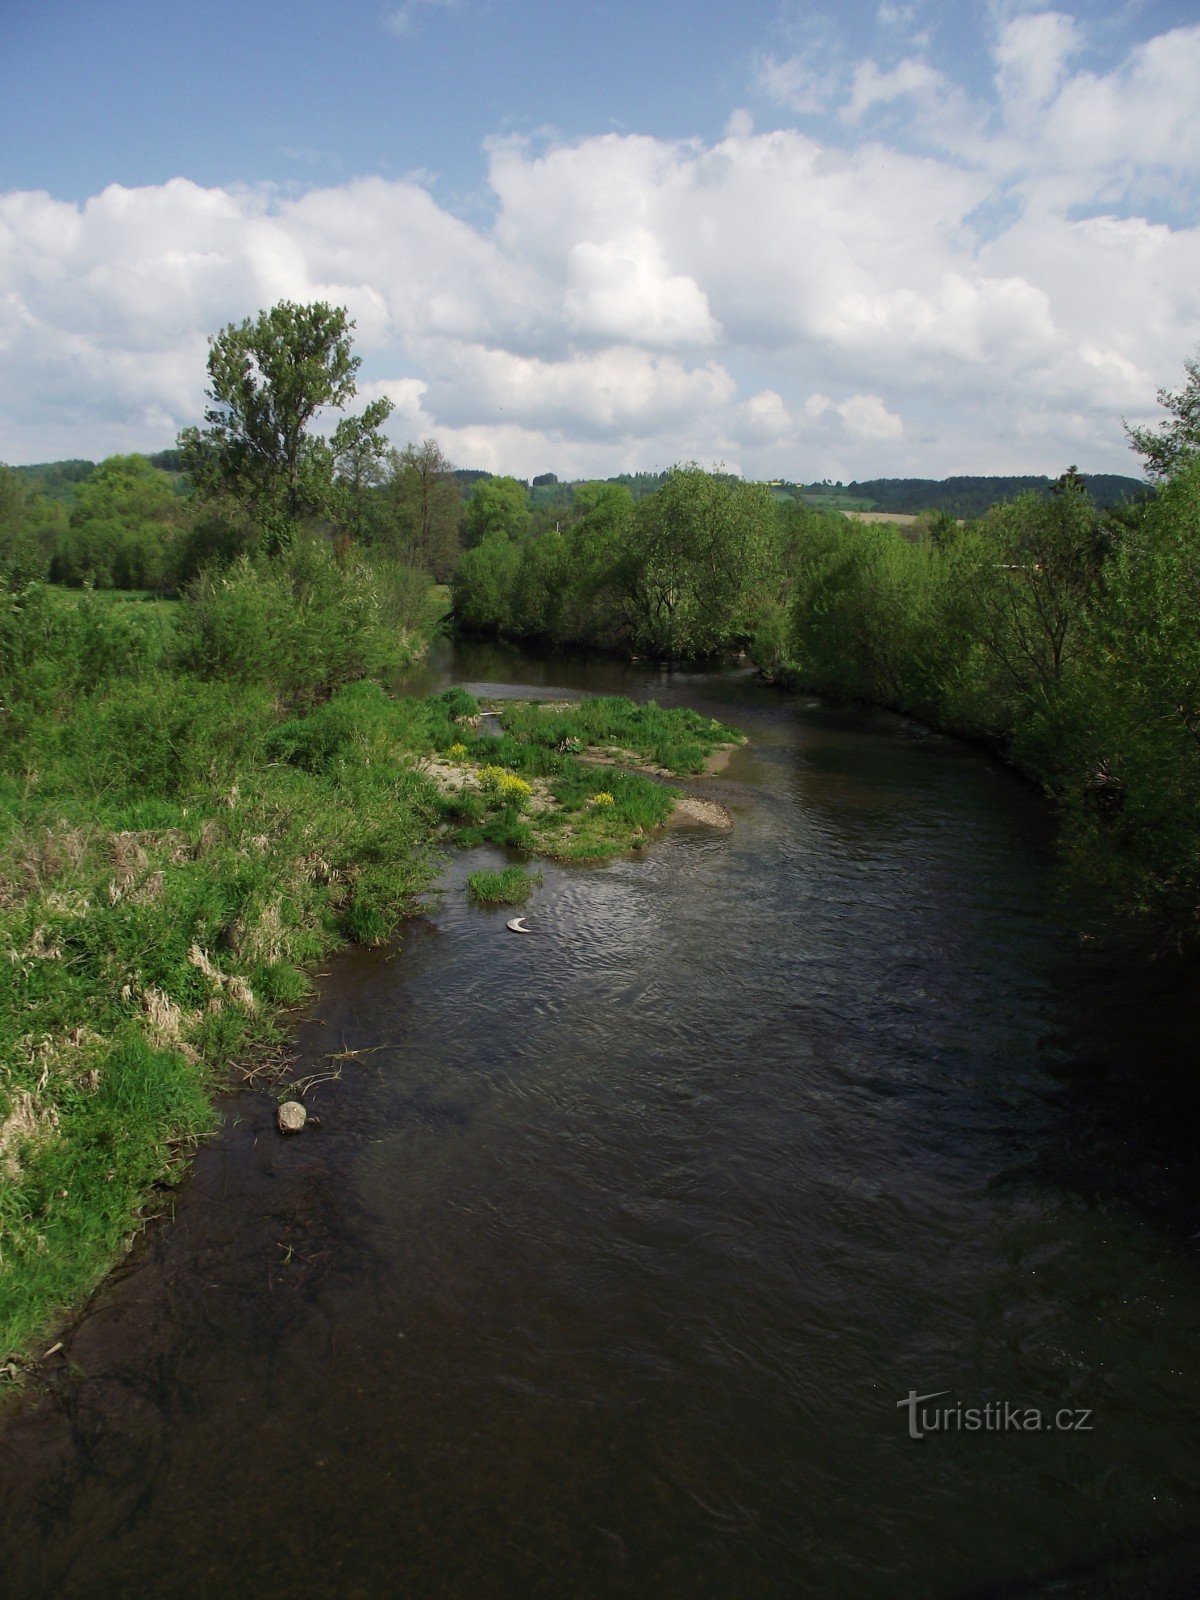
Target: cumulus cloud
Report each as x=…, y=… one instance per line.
x=803, y=304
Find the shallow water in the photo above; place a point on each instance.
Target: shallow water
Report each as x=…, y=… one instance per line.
x=618, y=1247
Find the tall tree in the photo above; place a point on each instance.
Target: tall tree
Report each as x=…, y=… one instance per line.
x=268, y=379
x=425, y=508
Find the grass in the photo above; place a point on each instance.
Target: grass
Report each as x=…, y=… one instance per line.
x=674, y=741
x=510, y=887
x=175, y=860
x=535, y=789
x=178, y=853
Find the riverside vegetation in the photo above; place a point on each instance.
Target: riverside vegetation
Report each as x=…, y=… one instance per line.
x=199, y=797
x=192, y=817
x=1063, y=635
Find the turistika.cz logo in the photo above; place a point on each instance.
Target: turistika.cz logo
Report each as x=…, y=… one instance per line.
x=998, y=1416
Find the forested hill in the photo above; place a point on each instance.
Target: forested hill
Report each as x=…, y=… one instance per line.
x=58, y=480
x=964, y=497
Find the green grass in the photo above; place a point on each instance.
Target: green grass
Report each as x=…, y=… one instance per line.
x=678, y=741
x=175, y=860
x=510, y=887
x=178, y=853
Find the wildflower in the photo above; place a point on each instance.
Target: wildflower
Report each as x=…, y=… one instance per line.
x=495, y=780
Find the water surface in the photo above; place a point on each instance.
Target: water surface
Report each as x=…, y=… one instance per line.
x=617, y=1247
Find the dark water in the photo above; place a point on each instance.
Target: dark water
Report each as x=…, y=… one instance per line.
x=617, y=1247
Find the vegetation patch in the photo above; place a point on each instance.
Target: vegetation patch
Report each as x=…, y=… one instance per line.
x=535, y=787
x=666, y=742
x=510, y=887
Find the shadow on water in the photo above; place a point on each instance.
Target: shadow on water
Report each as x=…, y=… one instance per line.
x=618, y=1250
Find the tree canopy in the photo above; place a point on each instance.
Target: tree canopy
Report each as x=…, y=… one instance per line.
x=497, y=505
x=269, y=377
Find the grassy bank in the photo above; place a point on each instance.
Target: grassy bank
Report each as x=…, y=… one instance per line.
x=192, y=817
x=153, y=920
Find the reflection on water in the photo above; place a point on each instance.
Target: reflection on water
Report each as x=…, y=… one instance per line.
x=618, y=1246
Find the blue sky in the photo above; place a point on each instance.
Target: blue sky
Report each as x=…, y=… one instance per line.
x=877, y=238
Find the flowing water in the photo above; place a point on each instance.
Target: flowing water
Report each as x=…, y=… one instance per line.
x=618, y=1248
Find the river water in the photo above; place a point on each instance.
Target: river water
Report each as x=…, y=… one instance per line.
x=619, y=1248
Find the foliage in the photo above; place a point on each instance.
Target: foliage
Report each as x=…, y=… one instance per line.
x=691, y=578
x=511, y=789
x=677, y=740
x=121, y=529
x=1127, y=731
x=30, y=526
x=682, y=574
x=965, y=496
x=303, y=624
x=423, y=509
x=268, y=379
x=496, y=507
x=1175, y=442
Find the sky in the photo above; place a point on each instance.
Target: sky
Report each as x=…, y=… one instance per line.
x=881, y=238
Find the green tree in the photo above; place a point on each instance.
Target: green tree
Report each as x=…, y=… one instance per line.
x=268, y=380
x=1040, y=569
x=497, y=505
x=424, y=506
x=1129, y=734
x=700, y=553
x=484, y=587
x=1168, y=447
x=29, y=528
x=359, y=452
x=125, y=518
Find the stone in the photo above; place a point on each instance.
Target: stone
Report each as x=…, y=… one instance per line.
x=291, y=1117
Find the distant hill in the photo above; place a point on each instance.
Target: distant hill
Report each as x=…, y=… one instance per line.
x=56, y=479
x=964, y=497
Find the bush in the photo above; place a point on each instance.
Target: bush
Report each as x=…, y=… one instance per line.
x=304, y=624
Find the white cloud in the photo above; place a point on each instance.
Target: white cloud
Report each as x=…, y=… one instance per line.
x=623, y=289
x=805, y=306
x=871, y=87
x=1031, y=56
x=800, y=83
x=402, y=19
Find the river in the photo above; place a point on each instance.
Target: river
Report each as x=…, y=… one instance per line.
x=619, y=1250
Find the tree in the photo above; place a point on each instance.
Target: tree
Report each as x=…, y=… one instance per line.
x=701, y=549
x=425, y=508
x=29, y=526
x=1041, y=567
x=123, y=524
x=497, y=505
x=1176, y=440
x=269, y=378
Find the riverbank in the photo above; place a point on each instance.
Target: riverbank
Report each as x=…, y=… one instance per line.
x=689, y=1189
x=157, y=926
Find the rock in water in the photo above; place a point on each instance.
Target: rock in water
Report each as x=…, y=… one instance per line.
x=291, y=1117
